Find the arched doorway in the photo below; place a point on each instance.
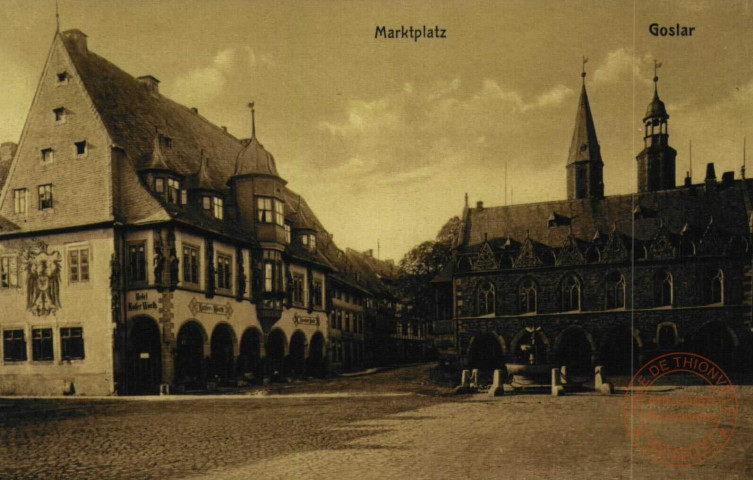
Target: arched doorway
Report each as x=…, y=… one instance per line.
x=620, y=353
x=574, y=351
x=144, y=357
x=715, y=342
x=485, y=353
x=249, y=361
x=316, y=366
x=276, y=343
x=535, y=343
x=297, y=356
x=189, y=362
x=223, y=356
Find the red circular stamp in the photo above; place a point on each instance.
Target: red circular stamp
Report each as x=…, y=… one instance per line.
x=685, y=428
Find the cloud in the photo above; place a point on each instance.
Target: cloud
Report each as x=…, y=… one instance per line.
x=203, y=84
x=622, y=65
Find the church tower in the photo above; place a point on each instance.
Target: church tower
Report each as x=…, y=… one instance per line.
x=584, y=166
x=656, y=163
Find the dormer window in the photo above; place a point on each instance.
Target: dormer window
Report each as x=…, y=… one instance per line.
x=168, y=188
x=309, y=241
x=62, y=77
x=167, y=142
x=80, y=148
x=60, y=115
x=214, y=205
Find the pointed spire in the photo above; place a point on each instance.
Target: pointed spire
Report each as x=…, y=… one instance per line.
x=203, y=180
x=585, y=145
x=157, y=160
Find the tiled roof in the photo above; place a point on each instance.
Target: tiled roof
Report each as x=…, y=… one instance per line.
x=690, y=208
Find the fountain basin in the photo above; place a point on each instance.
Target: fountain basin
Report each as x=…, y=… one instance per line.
x=530, y=376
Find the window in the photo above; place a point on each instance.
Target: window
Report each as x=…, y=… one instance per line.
x=72, y=343
x=309, y=241
x=190, y=264
x=217, y=205
x=570, y=294
x=159, y=185
x=288, y=234
x=78, y=262
x=664, y=289
x=63, y=77
x=347, y=321
x=264, y=210
x=137, y=262
x=268, y=277
x=45, y=196
x=297, y=288
x=316, y=294
x=14, y=346
x=80, y=148
x=224, y=272
x=715, y=288
x=615, y=291
x=486, y=299
x=60, y=114
x=8, y=271
x=173, y=191
x=527, y=295
x=47, y=155
x=19, y=200
x=279, y=213
x=41, y=344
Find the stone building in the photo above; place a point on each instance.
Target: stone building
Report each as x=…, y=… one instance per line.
x=609, y=280
x=144, y=248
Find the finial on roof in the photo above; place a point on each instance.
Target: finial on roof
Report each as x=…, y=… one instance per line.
x=742, y=170
x=57, y=17
x=583, y=72
x=253, y=119
x=656, y=76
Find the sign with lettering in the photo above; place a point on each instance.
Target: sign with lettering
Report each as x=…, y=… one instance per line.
x=304, y=320
x=142, y=303
x=211, y=308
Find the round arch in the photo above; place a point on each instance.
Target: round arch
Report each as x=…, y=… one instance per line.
x=316, y=361
x=223, y=352
x=143, y=356
x=621, y=351
x=249, y=360
x=189, y=355
x=297, y=356
x=277, y=352
x=574, y=348
x=486, y=351
x=716, y=341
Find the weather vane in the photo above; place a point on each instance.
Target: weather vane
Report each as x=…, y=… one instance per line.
x=656, y=67
x=583, y=72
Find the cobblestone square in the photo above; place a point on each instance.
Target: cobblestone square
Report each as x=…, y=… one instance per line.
x=363, y=427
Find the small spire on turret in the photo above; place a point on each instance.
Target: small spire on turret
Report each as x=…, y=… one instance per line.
x=253, y=119
x=583, y=71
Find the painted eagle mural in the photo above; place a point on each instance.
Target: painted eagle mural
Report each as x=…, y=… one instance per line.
x=42, y=281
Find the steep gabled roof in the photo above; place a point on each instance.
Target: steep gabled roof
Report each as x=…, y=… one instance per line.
x=584, y=146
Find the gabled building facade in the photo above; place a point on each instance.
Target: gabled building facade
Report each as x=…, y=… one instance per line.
x=609, y=280
x=144, y=249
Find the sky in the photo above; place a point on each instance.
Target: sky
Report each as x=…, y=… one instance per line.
x=384, y=137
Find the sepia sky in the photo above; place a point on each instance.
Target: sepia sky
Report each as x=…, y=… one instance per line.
x=383, y=137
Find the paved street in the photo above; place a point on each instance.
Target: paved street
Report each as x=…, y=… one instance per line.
x=365, y=434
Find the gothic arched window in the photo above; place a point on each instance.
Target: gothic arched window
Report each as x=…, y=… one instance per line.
x=527, y=296
x=615, y=291
x=486, y=298
x=715, y=288
x=664, y=295
x=570, y=294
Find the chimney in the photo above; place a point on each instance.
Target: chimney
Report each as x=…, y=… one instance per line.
x=224, y=128
x=78, y=38
x=728, y=178
x=479, y=205
x=195, y=110
x=688, y=180
x=710, y=177
x=7, y=151
x=152, y=84
x=369, y=253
